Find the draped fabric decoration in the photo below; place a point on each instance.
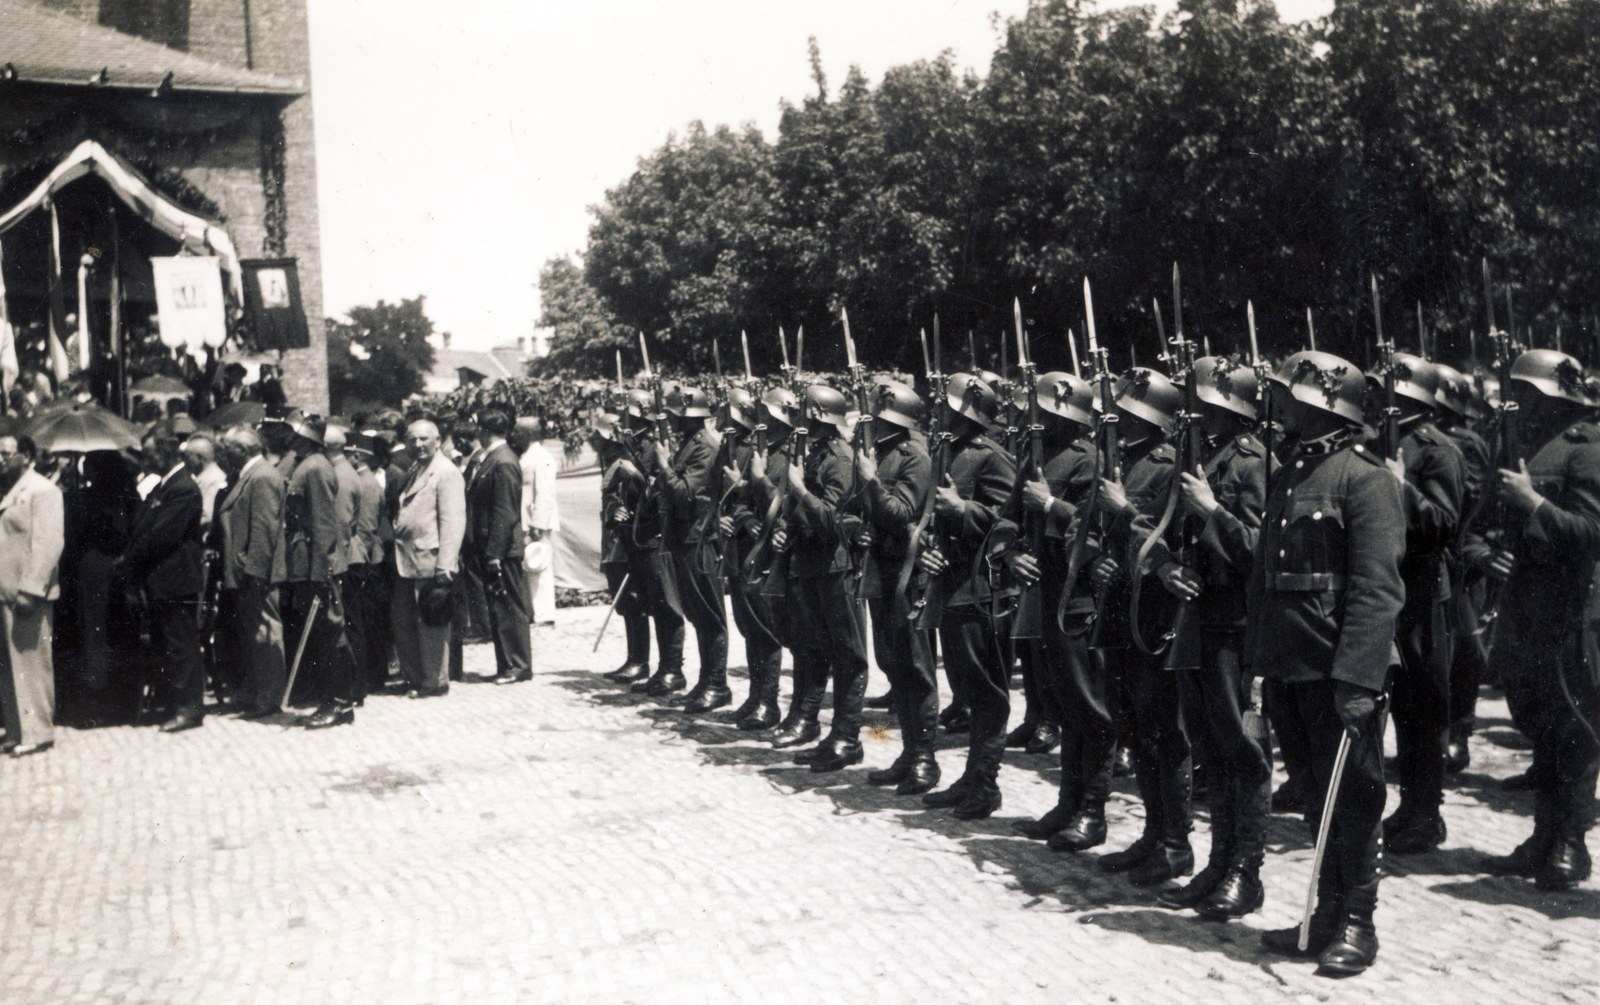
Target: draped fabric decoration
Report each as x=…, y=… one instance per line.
x=9, y=368
x=198, y=235
x=60, y=364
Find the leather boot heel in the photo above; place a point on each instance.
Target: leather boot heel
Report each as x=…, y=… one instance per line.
x=895, y=773
x=1170, y=861
x=1087, y=830
x=921, y=777
x=1240, y=893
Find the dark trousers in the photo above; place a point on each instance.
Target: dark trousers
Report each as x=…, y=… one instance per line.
x=355, y=631
x=510, y=617
x=1468, y=656
x=701, y=603
x=905, y=655
x=1422, y=705
x=327, y=668
x=1291, y=745
x=980, y=678
x=631, y=609
x=652, y=570
x=834, y=639
x=1350, y=869
x=372, y=600
x=1072, y=689
x=1565, y=758
x=753, y=616
x=1238, y=772
x=183, y=679
x=1145, y=704
x=256, y=633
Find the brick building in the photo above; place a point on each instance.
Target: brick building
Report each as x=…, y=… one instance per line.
x=209, y=101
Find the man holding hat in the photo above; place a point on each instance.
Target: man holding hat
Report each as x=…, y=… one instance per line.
x=495, y=544
x=428, y=527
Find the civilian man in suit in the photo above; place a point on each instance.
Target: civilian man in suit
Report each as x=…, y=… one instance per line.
x=494, y=545
x=163, y=557
x=31, y=535
x=370, y=587
x=428, y=529
x=319, y=554
x=250, y=520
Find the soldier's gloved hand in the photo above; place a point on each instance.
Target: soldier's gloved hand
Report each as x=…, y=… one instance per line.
x=663, y=458
x=758, y=464
x=1036, y=497
x=931, y=561
x=1180, y=581
x=1112, y=494
x=1104, y=568
x=726, y=524
x=949, y=502
x=1397, y=466
x=1025, y=567
x=1500, y=563
x=1355, y=705
x=733, y=477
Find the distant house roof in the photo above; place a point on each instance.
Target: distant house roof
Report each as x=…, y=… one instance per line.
x=45, y=47
x=454, y=367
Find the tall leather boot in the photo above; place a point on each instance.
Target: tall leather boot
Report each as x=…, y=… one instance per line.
x=751, y=698
x=637, y=665
x=1240, y=891
x=764, y=686
x=1567, y=863
x=711, y=690
x=805, y=707
x=1530, y=856
x=982, y=797
x=922, y=774
x=1175, y=857
x=1326, y=922
x=1087, y=828
x=1068, y=796
x=668, y=677
x=1222, y=848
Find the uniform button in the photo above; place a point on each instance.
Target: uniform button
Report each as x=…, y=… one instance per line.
x=1290, y=492
x=1281, y=553
x=1317, y=515
x=1299, y=464
x=1283, y=523
x=1360, y=449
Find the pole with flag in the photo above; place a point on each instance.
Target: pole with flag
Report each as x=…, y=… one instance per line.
x=8, y=345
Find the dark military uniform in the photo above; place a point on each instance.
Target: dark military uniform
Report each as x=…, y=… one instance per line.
x=618, y=474
x=823, y=528
x=969, y=635
x=768, y=574
x=895, y=499
x=640, y=535
x=1145, y=704
x=1217, y=693
x=1542, y=627
x=1469, y=589
x=686, y=493
x=752, y=612
x=1325, y=593
x=1432, y=498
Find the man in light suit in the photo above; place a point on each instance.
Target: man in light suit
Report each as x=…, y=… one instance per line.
x=164, y=559
x=31, y=534
x=251, y=520
x=540, y=520
x=428, y=529
x=494, y=545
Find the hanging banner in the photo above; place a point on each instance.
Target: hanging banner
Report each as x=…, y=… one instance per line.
x=189, y=302
x=272, y=303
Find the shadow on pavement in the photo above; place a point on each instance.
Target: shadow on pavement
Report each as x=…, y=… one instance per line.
x=1494, y=891
x=1239, y=943
x=1489, y=791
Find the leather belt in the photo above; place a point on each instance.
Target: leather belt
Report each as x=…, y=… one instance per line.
x=1307, y=582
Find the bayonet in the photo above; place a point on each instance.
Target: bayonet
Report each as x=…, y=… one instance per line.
x=1311, y=330
x=744, y=343
x=1072, y=345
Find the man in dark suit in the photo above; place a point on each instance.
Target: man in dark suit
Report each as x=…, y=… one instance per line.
x=494, y=544
x=163, y=558
x=250, y=534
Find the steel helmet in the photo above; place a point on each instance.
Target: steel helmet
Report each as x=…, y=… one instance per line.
x=1455, y=391
x=996, y=382
x=740, y=408
x=971, y=397
x=1323, y=380
x=604, y=425
x=1553, y=374
x=1227, y=383
x=1148, y=394
x=781, y=406
x=1061, y=394
x=898, y=405
x=827, y=405
x=689, y=403
x=642, y=404
x=1414, y=378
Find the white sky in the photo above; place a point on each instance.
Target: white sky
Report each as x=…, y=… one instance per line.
x=459, y=145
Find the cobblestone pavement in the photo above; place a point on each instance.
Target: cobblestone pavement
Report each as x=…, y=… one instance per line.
x=564, y=841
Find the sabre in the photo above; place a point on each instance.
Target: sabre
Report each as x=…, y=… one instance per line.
x=744, y=343
x=1072, y=345
x=300, y=650
x=1328, y=803
x=610, y=611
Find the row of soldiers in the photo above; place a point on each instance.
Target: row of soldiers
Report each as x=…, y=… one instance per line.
x=1173, y=560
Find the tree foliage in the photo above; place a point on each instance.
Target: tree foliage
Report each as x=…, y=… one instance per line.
x=1278, y=163
x=381, y=355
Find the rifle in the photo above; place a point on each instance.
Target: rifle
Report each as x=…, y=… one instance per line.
x=1030, y=603
x=1263, y=381
x=920, y=598
x=1108, y=459
x=1503, y=434
x=762, y=562
x=1390, y=434
x=862, y=440
x=1189, y=443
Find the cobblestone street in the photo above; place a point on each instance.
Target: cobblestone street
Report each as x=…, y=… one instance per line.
x=565, y=841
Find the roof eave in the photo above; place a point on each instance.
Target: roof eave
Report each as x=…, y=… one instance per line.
x=291, y=91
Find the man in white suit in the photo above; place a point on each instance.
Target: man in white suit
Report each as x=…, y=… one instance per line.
x=31, y=532
x=427, y=548
x=540, y=521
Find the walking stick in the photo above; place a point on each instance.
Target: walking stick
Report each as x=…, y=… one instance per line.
x=300, y=650
x=1328, y=804
x=610, y=611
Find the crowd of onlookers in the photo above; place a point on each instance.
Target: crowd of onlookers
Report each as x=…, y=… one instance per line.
x=292, y=562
